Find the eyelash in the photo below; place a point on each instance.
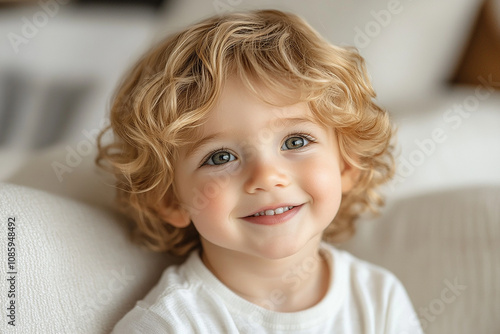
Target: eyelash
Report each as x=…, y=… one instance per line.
x=305, y=135
x=209, y=155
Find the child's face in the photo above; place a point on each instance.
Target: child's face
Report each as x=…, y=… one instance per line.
x=256, y=157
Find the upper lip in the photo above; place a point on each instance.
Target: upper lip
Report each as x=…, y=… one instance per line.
x=272, y=207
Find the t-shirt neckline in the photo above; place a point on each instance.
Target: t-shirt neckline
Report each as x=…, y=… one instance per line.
x=239, y=307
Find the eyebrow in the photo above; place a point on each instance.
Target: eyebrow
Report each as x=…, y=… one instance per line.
x=200, y=143
x=206, y=140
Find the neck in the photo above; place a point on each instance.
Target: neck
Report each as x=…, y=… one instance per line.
x=289, y=284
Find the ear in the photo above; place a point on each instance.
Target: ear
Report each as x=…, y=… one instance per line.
x=177, y=217
x=349, y=176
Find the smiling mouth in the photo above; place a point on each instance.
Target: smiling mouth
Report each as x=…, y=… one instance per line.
x=277, y=211
x=276, y=216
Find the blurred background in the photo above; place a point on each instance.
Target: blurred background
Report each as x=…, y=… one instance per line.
x=435, y=66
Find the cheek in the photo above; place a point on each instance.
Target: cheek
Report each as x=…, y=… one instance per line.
x=207, y=198
x=323, y=182
x=212, y=204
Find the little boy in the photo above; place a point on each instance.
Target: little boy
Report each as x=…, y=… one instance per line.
x=243, y=142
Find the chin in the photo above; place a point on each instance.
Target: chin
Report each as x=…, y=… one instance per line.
x=281, y=249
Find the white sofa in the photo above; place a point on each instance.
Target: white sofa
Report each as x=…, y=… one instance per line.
x=76, y=270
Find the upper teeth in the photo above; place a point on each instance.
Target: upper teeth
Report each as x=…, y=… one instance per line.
x=277, y=211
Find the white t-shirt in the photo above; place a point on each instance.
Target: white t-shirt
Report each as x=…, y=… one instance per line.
x=361, y=298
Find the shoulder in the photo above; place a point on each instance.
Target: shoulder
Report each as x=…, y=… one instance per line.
x=179, y=298
x=374, y=290
x=353, y=264
x=358, y=271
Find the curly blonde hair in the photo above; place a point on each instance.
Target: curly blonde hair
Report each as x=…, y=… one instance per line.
x=173, y=87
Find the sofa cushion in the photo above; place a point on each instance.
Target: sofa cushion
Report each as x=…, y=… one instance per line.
x=444, y=247
x=76, y=269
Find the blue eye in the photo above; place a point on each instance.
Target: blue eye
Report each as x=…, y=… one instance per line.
x=219, y=158
x=294, y=143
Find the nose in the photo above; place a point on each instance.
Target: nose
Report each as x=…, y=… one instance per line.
x=265, y=176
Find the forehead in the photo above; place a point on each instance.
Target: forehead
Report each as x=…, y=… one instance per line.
x=238, y=106
x=239, y=113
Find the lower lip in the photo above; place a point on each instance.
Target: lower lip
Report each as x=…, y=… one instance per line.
x=274, y=219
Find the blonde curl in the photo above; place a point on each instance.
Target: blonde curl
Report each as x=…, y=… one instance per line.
x=168, y=94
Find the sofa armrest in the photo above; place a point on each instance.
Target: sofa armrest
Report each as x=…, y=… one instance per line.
x=73, y=270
